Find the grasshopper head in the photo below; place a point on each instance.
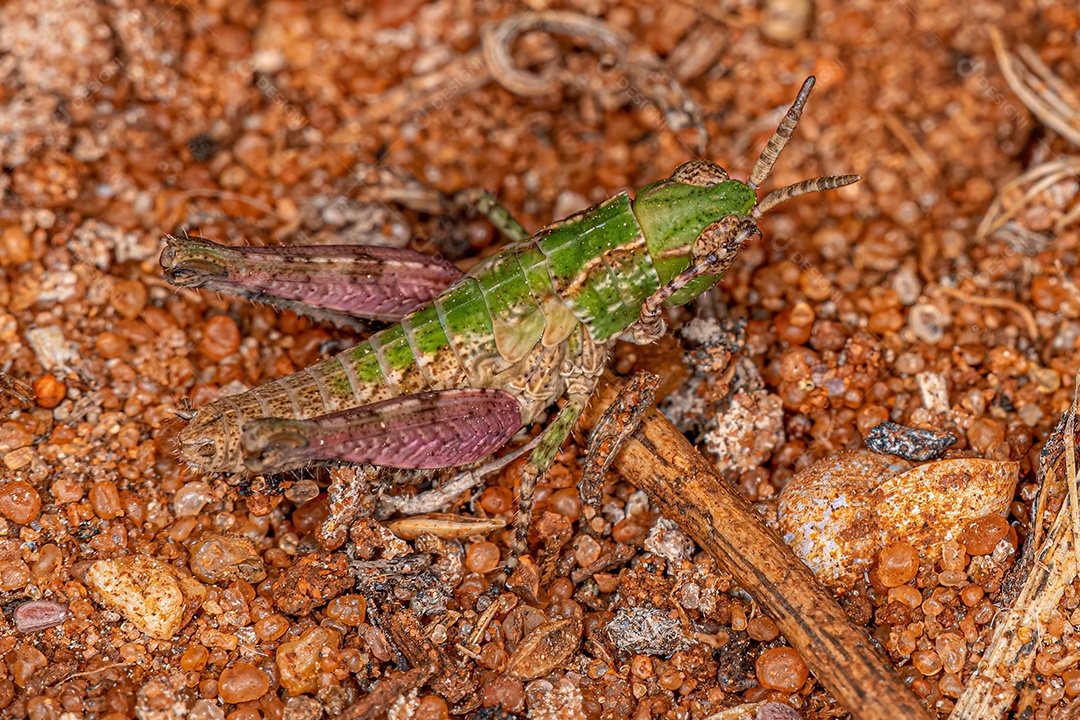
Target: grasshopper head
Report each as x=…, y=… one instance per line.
x=696, y=221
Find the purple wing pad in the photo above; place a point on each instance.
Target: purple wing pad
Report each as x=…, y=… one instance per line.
x=423, y=431
x=338, y=283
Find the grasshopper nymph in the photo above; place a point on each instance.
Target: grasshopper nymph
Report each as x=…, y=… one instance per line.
x=473, y=358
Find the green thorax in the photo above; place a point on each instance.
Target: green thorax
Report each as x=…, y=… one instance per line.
x=596, y=267
x=599, y=265
x=672, y=216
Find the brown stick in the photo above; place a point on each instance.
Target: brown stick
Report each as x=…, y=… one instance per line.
x=660, y=461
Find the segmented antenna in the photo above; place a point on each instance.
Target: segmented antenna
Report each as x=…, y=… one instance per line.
x=780, y=138
x=818, y=184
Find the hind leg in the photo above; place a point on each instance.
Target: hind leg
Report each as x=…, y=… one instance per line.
x=582, y=369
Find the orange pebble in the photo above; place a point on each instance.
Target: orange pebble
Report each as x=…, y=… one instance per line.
x=781, y=669
x=19, y=502
x=982, y=535
x=242, y=682
x=482, y=557
x=221, y=338
x=49, y=391
x=897, y=563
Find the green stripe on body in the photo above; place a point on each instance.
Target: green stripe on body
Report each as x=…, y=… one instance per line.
x=434, y=356
x=578, y=251
x=467, y=323
x=397, y=362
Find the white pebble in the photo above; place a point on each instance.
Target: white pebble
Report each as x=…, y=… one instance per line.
x=149, y=593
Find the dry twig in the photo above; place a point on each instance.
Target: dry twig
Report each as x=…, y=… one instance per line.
x=1051, y=100
x=658, y=459
x=20, y=392
x=1044, y=93
x=1019, y=308
x=1020, y=193
x=644, y=70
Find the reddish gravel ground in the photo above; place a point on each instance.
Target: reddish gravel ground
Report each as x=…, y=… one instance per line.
x=293, y=123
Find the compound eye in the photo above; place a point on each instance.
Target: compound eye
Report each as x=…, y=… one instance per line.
x=700, y=172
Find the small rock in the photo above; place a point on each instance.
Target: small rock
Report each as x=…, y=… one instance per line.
x=242, y=682
x=927, y=323
x=787, y=21
x=667, y=540
x=15, y=246
x=19, y=458
x=23, y=662
x=915, y=444
x=372, y=538
x=302, y=707
x=907, y=286
x=220, y=339
x=554, y=702
x=935, y=392
x=646, y=630
x=839, y=513
x=782, y=669
x=223, y=558
x=298, y=660
x=160, y=699
x=14, y=435
x=1046, y=379
x=569, y=202
x=311, y=582
x=153, y=596
x=50, y=347
x=129, y=298
x=748, y=430
x=253, y=151
x=191, y=498
x=1030, y=414
x=203, y=147
x=49, y=391
x=19, y=501
x=58, y=286
x=204, y=709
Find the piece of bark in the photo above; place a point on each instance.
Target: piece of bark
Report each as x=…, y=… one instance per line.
x=660, y=461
